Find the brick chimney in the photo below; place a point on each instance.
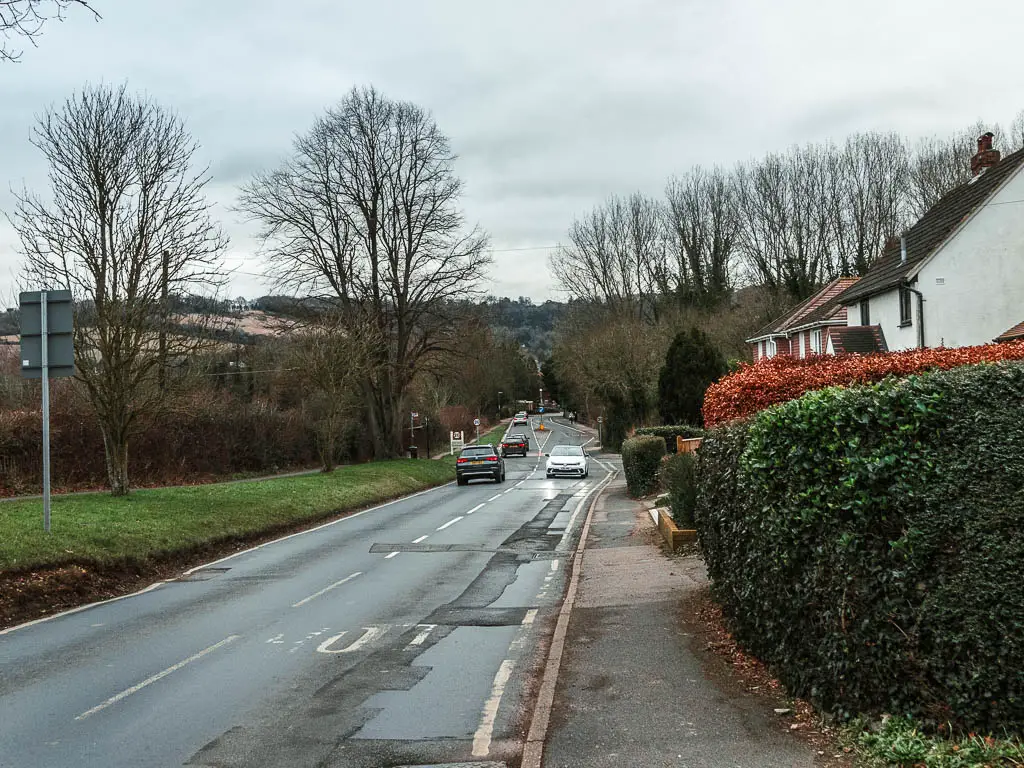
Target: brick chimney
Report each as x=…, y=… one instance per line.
x=986, y=157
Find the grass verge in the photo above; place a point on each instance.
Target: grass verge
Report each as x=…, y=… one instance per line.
x=103, y=530
x=899, y=743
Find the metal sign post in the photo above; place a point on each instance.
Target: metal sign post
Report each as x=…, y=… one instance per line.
x=476, y=423
x=47, y=350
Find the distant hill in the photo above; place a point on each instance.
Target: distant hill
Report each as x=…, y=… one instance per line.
x=532, y=325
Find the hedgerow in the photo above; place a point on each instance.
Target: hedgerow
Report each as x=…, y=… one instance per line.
x=770, y=381
x=670, y=432
x=641, y=458
x=868, y=544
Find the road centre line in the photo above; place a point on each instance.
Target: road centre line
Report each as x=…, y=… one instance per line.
x=451, y=522
x=327, y=589
x=422, y=538
x=476, y=508
x=158, y=676
x=391, y=555
x=495, y=497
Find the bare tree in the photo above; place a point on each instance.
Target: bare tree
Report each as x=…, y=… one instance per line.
x=367, y=210
x=617, y=255
x=125, y=224
x=703, y=225
x=1015, y=135
x=331, y=359
x=940, y=164
x=866, y=180
x=25, y=19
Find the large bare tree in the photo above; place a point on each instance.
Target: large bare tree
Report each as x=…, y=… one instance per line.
x=367, y=211
x=617, y=255
x=25, y=19
x=125, y=227
x=703, y=225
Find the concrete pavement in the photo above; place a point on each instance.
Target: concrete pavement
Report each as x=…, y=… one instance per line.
x=632, y=691
x=403, y=635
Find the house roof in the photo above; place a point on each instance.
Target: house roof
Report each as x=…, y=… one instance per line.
x=1017, y=332
x=932, y=230
x=859, y=339
x=818, y=309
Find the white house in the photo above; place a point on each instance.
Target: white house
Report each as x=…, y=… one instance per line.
x=956, y=278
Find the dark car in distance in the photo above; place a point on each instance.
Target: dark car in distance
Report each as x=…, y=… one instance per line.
x=515, y=444
x=477, y=461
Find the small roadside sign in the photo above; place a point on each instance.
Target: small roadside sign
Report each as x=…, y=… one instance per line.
x=600, y=419
x=540, y=410
x=476, y=422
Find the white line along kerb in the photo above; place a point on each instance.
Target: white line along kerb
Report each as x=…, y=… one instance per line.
x=158, y=676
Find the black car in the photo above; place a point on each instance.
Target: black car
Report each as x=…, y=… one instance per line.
x=515, y=443
x=479, y=461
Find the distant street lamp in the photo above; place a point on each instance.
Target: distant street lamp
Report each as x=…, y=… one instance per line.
x=500, y=393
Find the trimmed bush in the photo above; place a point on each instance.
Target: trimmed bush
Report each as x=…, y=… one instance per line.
x=776, y=380
x=641, y=458
x=868, y=544
x=679, y=478
x=670, y=432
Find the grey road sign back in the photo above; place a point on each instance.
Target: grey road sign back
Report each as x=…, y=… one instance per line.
x=60, y=338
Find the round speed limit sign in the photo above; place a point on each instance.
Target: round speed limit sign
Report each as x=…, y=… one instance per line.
x=476, y=422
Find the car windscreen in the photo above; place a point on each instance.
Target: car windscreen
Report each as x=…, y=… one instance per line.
x=566, y=450
x=477, y=452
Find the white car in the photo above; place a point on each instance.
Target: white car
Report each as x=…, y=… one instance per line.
x=568, y=460
x=519, y=418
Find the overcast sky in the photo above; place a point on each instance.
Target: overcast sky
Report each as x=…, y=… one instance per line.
x=551, y=105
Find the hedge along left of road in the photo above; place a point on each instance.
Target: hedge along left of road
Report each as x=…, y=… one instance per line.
x=100, y=530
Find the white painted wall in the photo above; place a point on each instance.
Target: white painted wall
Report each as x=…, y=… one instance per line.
x=982, y=274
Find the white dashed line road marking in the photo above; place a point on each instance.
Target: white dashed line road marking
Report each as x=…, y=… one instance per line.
x=474, y=509
x=425, y=630
x=420, y=539
x=390, y=555
x=327, y=589
x=450, y=522
x=158, y=676
x=495, y=498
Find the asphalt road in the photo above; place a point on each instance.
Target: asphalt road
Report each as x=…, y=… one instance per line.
x=404, y=635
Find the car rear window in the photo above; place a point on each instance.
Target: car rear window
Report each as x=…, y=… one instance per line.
x=514, y=439
x=476, y=452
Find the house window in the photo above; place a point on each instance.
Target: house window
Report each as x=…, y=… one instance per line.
x=816, y=341
x=906, y=307
x=800, y=345
x=865, y=312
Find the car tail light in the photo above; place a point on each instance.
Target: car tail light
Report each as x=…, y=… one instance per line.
x=492, y=458
x=462, y=461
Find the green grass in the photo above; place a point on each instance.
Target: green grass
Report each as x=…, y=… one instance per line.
x=98, y=528
x=901, y=744
x=492, y=436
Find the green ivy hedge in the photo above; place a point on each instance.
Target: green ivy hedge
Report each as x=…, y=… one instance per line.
x=670, y=433
x=641, y=457
x=868, y=543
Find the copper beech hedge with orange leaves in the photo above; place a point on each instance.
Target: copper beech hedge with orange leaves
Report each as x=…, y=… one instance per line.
x=770, y=381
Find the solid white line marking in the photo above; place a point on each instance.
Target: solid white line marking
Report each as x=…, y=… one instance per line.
x=422, y=538
x=369, y=635
x=474, y=509
x=325, y=590
x=389, y=556
x=482, y=737
x=521, y=482
x=529, y=617
x=158, y=676
x=495, y=498
x=425, y=631
x=450, y=522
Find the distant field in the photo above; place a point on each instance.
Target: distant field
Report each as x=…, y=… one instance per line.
x=98, y=528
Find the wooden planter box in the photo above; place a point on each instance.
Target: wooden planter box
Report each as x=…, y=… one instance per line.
x=688, y=445
x=673, y=535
